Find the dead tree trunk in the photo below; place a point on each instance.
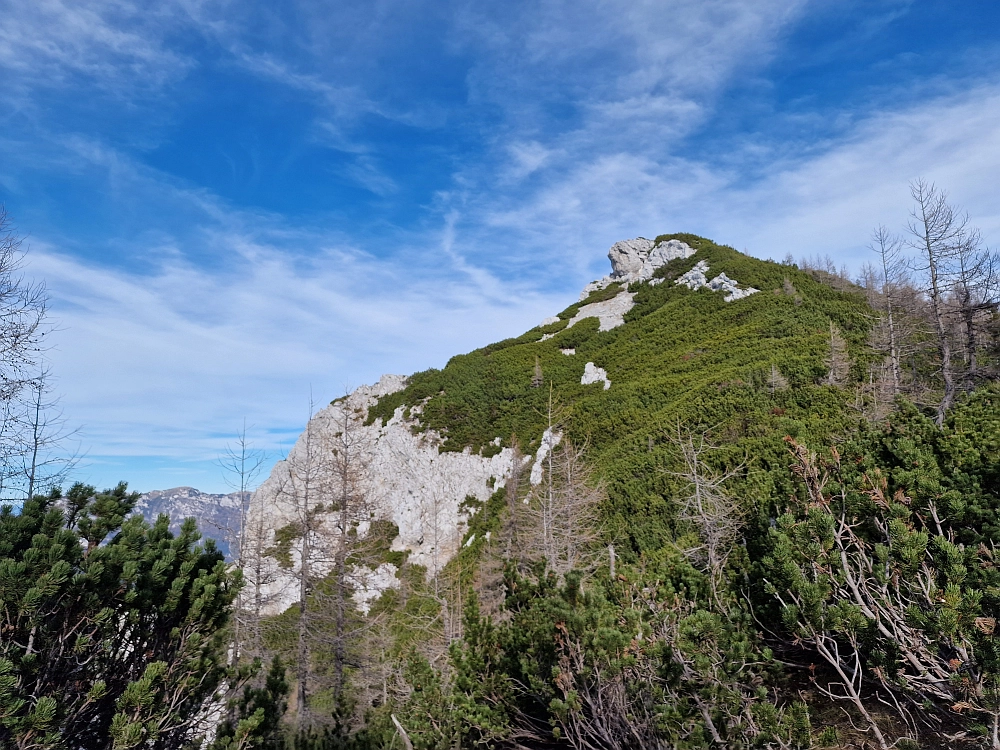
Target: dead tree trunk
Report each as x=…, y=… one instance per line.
x=938, y=231
x=888, y=247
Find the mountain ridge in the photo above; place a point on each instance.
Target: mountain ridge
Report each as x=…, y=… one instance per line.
x=217, y=514
x=683, y=347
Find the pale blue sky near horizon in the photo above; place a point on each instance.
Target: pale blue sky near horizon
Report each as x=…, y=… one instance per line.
x=235, y=205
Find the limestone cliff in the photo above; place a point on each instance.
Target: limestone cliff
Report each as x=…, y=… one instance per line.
x=407, y=480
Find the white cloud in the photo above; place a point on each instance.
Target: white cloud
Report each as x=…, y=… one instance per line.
x=115, y=44
x=528, y=157
x=641, y=70
x=824, y=201
x=828, y=203
x=162, y=364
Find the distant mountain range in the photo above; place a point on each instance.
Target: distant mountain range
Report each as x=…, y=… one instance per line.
x=217, y=515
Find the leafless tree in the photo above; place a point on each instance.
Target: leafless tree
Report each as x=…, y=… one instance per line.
x=560, y=522
x=23, y=306
x=961, y=280
x=299, y=482
x=28, y=429
x=937, y=232
x=977, y=293
x=890, y=273
x=348, y=453
x=776, y=381
x=838, y=361
x=505, y=545
x=513, y=495
x=708, y=507
x=537, y=378
x=45, y=461
x=242, y=465
x=295, y=548
x=326, y=482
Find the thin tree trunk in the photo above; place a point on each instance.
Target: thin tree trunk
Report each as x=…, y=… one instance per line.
x=302, y=671
x=340, y=618
x=35, y=440
x=890, y=319
x=302, y=668
x=940, y=234
x=969, y=319
x=944, y=343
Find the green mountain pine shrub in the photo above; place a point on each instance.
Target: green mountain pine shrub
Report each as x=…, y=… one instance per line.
x=683, y=356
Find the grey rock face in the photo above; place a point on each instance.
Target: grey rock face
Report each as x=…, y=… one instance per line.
x=611, y=312
x=697, y=278
x=628, y=256
x=405, y=479
x=637, y=260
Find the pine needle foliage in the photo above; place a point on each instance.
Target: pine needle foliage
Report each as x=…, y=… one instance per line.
x=111, y=630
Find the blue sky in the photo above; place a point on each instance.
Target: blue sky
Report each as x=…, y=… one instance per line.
x=237, y=204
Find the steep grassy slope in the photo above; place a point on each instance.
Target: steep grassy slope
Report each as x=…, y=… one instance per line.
x=682, y=356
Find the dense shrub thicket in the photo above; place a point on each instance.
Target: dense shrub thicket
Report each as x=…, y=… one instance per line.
x=112, y=629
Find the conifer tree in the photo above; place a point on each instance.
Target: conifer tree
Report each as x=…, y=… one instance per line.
x=257, y=713
x=327, y=551
x=111, y=628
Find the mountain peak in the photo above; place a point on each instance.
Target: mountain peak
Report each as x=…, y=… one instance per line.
x=638, y=260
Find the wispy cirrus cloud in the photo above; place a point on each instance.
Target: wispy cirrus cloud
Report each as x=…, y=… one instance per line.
x=117, y=46
x=170, y=363
x=823, y=201
x=248, y=199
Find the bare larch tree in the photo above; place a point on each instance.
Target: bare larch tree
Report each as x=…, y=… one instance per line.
x=937, y=232
x=23, y=307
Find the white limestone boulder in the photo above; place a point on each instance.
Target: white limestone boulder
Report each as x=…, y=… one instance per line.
x=594, y=374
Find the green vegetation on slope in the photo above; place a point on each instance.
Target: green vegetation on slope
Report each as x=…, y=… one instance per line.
x=682, y=356
x=762, y=549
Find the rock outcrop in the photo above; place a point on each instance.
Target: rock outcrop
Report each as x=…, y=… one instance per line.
x=697, y=278
x=610, y=312
x=594, y=374
x=637, y=260
x=404, y=476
